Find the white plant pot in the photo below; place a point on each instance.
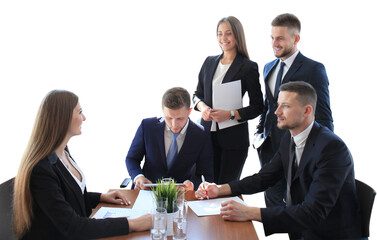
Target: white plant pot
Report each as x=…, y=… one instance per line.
x=169, y=225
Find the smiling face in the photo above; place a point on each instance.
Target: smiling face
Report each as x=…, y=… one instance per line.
x=176, y=119
x=226, y=38
x=284, y=43
x=77, y=118
x=291, y=114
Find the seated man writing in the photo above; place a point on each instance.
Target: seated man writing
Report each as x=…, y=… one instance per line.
x=321, y=199
x=172, y=146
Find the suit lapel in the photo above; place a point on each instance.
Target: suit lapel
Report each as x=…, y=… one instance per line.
x=297, y=63
x=68, y=181
x=267, y=74
x=160, y=131
x=233, y=69
x=310, y=143
x=211, y=70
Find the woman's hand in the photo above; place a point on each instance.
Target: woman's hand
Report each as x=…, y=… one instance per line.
x=139, y=224
x=206, y=111
x=114, y=197
x=206, y=114
x=220, y=115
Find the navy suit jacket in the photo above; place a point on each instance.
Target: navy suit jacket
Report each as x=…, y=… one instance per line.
x=302, y=69
x=195, y=158
x=325, y=203
x=236, y=137
x=61, y=210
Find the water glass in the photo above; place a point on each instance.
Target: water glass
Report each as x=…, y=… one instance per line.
x=159, y=219
x=183, y=208
x=179, y=228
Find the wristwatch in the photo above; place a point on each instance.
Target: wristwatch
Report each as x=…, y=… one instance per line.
x=232, y=116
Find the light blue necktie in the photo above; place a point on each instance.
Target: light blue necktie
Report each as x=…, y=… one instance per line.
x=278, y=79
x=173, y=150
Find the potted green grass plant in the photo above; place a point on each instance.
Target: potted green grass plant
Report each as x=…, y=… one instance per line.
x=166, y=191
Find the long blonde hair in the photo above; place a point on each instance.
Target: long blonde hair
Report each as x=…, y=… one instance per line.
x=50, y=128
x=239, y=34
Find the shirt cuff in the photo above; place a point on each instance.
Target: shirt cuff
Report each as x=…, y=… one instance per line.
x=139, y=175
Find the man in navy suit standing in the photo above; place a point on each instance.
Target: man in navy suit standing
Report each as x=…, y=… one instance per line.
x=172, y=146
x=289, y=66
x=321, y=198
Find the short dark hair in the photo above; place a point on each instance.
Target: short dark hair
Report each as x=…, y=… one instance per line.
x=287, y=20
x=176, y=98
x=306, y=94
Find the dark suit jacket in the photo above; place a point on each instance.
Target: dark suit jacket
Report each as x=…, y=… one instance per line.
x=195, y=154
x=302, y=69
x=325, y=203
x=236, y=137
x=60, y=209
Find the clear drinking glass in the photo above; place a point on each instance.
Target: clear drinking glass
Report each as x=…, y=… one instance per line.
x=179, y=228
x=183, y=208
x=159, y=218
x=180, y=221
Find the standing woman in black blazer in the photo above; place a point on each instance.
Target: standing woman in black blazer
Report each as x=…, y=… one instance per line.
x=50, y=197
x=230, y=144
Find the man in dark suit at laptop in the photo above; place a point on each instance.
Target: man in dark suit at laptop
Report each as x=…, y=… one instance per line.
x=321, y=199
x=172, y=146
x=289, y=66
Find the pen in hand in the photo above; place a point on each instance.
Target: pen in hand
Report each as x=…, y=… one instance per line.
x=204, y=185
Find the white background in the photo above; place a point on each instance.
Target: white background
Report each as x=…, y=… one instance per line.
x=120, y=56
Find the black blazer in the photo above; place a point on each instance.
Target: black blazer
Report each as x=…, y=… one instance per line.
x=325, y=203
x=302, y=69
x=60, y=209
x=236, y=137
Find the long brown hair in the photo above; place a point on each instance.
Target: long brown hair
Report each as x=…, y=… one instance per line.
x=50, y=128
x=239, y=34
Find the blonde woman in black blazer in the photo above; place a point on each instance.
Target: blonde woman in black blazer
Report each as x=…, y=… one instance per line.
x=50, y=197
x=230, y=144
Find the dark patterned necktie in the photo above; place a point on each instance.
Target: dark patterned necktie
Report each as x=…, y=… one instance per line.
x=278, y=79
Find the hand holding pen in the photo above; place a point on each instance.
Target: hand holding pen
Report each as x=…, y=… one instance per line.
x=205, y=187
x=207, y=190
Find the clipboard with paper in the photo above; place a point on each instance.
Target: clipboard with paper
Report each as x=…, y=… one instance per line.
x=227, y=96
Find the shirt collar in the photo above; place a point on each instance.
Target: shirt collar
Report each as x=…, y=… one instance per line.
x=183, y=131
x=288, y=62
x=300, y=138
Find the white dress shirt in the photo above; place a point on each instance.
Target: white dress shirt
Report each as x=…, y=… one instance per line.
x=180, y=138
x=300, y=141
x=288, y=63
x=83, y=179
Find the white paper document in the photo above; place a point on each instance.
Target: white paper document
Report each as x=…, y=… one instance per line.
x=144, y=200
x=227, y=96
x=113, y=212
x=210, y=207
x=142, y=205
